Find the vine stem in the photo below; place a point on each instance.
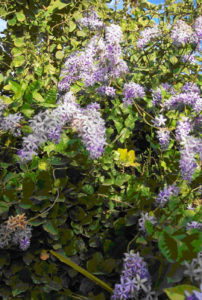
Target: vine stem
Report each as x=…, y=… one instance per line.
x=128, y=247
x=47, y=210
x=50, y=207
x=113, y=199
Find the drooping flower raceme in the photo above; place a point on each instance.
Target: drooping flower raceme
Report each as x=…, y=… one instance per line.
x=91, y=128
x=182, y=33
x=190, y=146
x=135, y=278
x=48, y=126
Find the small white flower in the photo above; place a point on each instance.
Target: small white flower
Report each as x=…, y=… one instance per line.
x=159, y=121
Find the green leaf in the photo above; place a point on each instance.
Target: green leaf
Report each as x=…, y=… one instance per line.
x=125, y=133
x=48, y=226
x=59, y=55
x=4, y=207
x=70, y=263
x=149, y=227
x=173, y=60
x=20, y=16
x=37, y=96
x=18, y=61
x=27, y=112
x=12, y=21
x=1, y=78
x=81, y=33
x=72, y=26
x=19, y=42
x=168, y=246
x=141, y=240
x=56, y=5
x=16, y=87
x=20, y=288
x=177, y=293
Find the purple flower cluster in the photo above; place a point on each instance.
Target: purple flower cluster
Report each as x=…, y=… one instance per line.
x=165, y=194
x=183, y=129
x=132, y=91
x=198, y=27
x=189, y=58
x=48, y=126
x=91, y=128
x=106, y=90
x=135, y=278
x=190, y=97
x=182, y=33
x=194, y=296
x=11, y=123
x=164, y=137
x=91, y=20
x=193, y=225
x=194, y=269
x=190, y=146
x=113, y=34
x=148, y=34
x=157, y=94
x=191, y=87
x=146, y=217
x=19, y=236
x=99, y=62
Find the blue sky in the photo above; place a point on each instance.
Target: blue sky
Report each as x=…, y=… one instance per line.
x=120, y=3
x=2, y=25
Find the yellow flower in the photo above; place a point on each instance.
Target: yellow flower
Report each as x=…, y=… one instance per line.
x=126, y=158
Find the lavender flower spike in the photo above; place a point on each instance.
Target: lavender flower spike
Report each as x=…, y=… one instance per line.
x=164, y=137
x=132, y=91
x=182, y=33
x=165, y=194
x=135, y=278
